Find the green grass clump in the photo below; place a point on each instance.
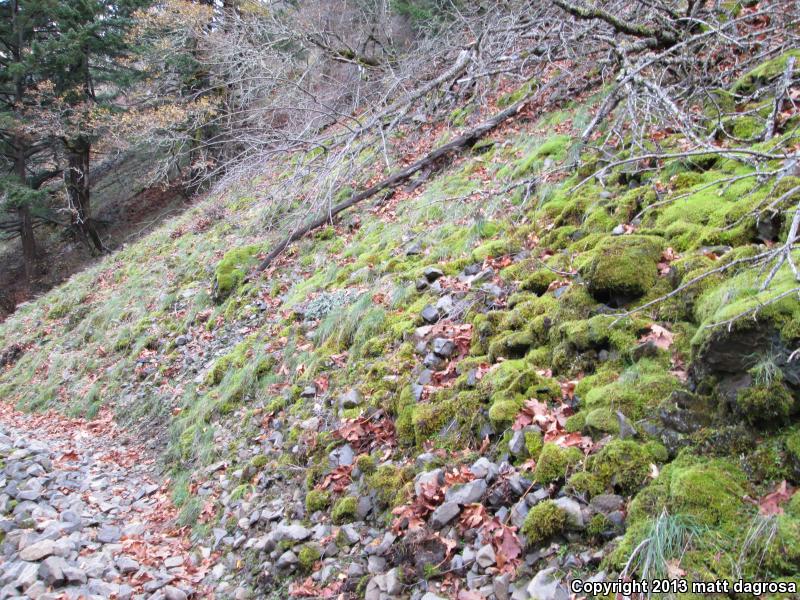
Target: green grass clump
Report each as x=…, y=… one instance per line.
x=544, y=520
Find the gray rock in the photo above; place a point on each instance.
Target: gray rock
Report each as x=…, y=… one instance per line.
x=127, y=565
x=293, y=532
x=483, y=468
x=444, y=347
x=516, y=445
x=428, y=477
x=430, y=314
x=182, y=340
x=573, y=510
x=425, y=377
x=485, y=556
x=607, y=503
x=443, y=514
x=433, y=361
x=75, y=575
x=174, y=593
x=37, y=550
x=467, y=493
x=108, y=534
x=547, y=586
x=376, y=564
x=351, y=399
x=343, y=456
x=393, y=582
x=626, y=429
x=431, y=274
x=502, y=585
x=286, y=560
x=51, y=571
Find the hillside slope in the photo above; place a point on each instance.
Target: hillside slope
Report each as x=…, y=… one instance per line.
x=473, y=383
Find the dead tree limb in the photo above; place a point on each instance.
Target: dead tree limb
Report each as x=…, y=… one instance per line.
x=430, y=160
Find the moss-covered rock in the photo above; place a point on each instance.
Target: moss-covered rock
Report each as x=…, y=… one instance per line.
x=345, y=510
x=232, y=269
x=543, y=521
x=389, y=483
x=637, y=391
x=308, y=556
x=622, y=464
x=317, y=500
x=601, y=421
x=555, y=462
x=584, y=483
x=623, y=268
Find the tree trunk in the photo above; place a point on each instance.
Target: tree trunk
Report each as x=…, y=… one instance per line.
x=23, y=211
x=24, y=214
x=77, y=180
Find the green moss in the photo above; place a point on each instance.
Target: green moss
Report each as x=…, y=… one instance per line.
x=503, y=412
x=533, y=443
x=494, y=249
x=539, y=281
x=623, y=267
x=638, y=390
x=389, y=483
x=231, y=270
x=768, y=404
x=543, y=521
x=622, y=464
x=765, y=72
x=575, y=422
x=597, y=526
x=308, y=556
x=585, y=483
x=259, y=462
x=345, y=510
x=601, y=421
x=366, y=464
x=317, y=500
x=554, y=462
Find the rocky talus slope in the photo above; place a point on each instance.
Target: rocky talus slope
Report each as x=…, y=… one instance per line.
x=469, y=389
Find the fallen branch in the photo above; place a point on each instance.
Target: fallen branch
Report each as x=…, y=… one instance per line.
x=429, y=160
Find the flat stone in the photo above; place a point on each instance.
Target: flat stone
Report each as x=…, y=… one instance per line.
x=483, y=468
x=127, y=565
x=466, y=493
x=174, y=593
x=607, y=503
x=108, y=534
x=443, y=514
x=343, y=456
x=294, y=532
x=546, y=586
x=37, y=550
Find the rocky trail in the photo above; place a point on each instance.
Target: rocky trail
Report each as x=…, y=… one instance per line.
x=83, y=514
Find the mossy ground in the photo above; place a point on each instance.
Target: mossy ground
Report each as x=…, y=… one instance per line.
x=108, y=336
